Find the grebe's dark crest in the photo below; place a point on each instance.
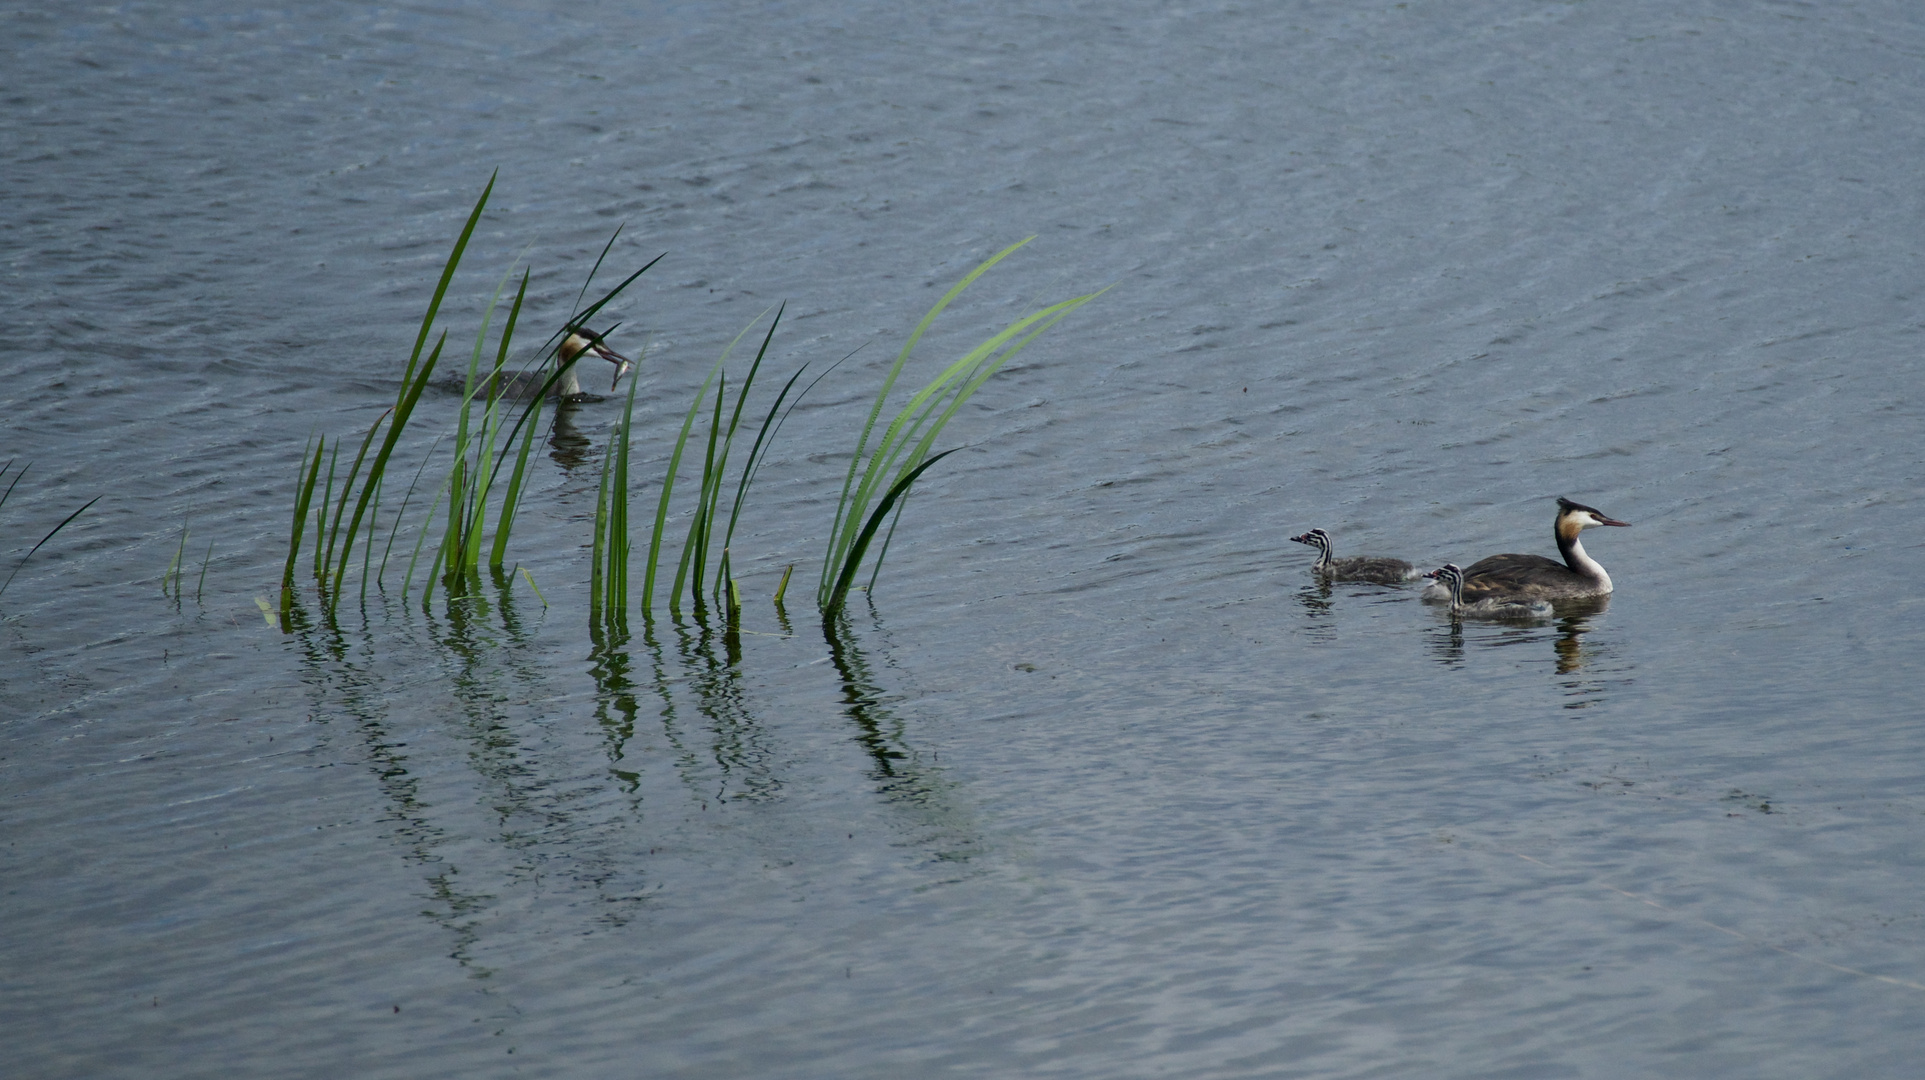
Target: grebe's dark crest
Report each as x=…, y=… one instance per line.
x=1371, y=568
x=1451, y=579
x=1528, y=578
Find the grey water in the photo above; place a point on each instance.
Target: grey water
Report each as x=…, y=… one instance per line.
x=1098, y=781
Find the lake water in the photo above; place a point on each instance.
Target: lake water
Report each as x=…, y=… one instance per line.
x=1098, y=782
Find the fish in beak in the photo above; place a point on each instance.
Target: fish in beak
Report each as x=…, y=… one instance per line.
x=577, y=343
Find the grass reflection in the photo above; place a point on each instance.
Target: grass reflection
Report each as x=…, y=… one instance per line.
x=903, y=777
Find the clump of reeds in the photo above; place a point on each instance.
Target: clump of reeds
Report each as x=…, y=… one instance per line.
x=880, y=476
x=481, y=450
x=357, y=489
x=51, y=533
x=709, y=578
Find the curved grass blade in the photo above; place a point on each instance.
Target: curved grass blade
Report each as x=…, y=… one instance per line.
x=353, y=471
x=303, y=495
x=441, y=288
x=909, y=436
x=43, y=540
x=412, y=383
x=844, y=510
x=379, y=467
x=511, y=501
x=847, y=577
x=16, y=478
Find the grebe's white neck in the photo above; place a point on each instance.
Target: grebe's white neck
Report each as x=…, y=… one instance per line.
x=1581, y=562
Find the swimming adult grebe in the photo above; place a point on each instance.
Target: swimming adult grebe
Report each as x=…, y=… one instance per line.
x=520, y=384
x=1371, y=568
x=1451, y=579
x=1534, y=577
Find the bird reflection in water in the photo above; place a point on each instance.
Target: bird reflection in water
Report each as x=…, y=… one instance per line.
x=1315, y=599
x=1575, y=660
x=1573, y=622
x=566, y=444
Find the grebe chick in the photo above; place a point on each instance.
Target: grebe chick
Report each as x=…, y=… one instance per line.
x=521, y=384
x=1534, y=577
x=1451, y=579
x=1372, y=568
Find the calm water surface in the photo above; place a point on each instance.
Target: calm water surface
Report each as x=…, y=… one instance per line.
x=1099, y=782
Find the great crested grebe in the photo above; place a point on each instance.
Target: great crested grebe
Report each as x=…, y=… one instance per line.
x=1451, y=580
x=1534, y=577
x=580, y=340
x=1371, y=568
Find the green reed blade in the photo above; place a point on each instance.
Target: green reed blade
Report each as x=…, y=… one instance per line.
x=668, y=484
x=202, y=583
x=532, y=585
x=367, y=545
x=395, y=426
x=597, y=552
x=484, y=483
x=906, y=442
x=511, y=501
x=16, y=478
x=579, y=320
x=695, y=547
x=173, y=568
x=875, y=565
x=668, y=487
x=421, y=537
x=728, y=441
x=427, y=582
x=451, y=529
x=303, y=495
x=412, y=381
x=1035, y=325
x=595, y=269
x=764, y=438
x=43, y=540
x=843, y=508
x=470, y=502
x=620, y=543
x=441, y=288
x=847, y=577
x=402, y=514
x=506, y=516
x=353, y=472
x=321, y=515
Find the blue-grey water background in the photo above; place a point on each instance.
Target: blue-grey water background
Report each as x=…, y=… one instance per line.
x=1100, y=784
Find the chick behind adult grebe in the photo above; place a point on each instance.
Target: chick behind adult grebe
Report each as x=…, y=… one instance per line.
x=1375, y=569
x=1534, y=577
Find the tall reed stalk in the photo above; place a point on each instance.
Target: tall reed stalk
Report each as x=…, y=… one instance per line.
x=608, y=560
x=880, y=476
